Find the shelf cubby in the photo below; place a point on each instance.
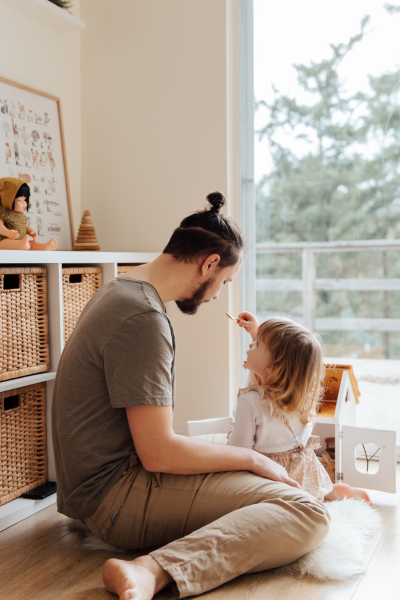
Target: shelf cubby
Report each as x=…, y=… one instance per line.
x=21, y=508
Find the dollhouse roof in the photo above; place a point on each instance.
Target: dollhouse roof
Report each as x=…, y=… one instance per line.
x=333, y=380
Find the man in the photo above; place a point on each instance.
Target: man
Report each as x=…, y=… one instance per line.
x=213, y=511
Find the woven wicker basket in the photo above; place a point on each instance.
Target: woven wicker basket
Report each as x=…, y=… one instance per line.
x=23, y=452
x=121, y=269
x=79, y=284
x=24, y=339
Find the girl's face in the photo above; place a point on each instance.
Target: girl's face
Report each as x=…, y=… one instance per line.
x=20, y=204
x=258, y=358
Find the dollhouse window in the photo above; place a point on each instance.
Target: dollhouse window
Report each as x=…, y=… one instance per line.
x=367, y=458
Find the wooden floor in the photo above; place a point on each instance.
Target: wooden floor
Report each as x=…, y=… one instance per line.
x=41, y=558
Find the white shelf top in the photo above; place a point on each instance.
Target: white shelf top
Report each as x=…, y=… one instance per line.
x=48, y=14
x=25, y=257
x=13, y=384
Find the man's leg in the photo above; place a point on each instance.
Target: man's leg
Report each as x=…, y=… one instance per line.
x=216, y=526
x=240, y=523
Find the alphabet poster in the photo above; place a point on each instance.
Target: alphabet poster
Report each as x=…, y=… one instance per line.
x=32, y=148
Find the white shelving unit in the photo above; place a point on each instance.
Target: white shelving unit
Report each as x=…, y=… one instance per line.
x=48, y=14
x=21, y=508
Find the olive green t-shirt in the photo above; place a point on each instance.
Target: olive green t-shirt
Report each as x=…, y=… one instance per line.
x=120, y=354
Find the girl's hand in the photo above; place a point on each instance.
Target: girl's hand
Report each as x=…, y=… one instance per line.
x=249, y=322
x=13, y=234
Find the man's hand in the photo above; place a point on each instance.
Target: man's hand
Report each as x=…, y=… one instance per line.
x=250, y=323
x=271, y=470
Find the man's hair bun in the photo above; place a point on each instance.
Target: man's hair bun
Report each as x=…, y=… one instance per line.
x=207, y=232
x=217, y=201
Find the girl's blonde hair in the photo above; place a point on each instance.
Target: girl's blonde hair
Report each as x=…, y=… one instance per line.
x=294, y=377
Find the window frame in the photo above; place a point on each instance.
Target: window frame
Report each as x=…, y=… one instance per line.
x=248, y=218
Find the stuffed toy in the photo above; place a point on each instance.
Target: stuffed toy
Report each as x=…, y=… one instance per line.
x=14, y=231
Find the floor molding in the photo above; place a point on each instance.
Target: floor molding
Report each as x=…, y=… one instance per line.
x=21, y=508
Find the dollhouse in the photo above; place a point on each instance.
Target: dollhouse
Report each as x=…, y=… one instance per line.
x=338, y=419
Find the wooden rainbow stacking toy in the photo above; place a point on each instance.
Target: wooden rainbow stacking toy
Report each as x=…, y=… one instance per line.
x=86, y=239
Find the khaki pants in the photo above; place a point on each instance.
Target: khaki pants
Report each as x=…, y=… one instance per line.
x=209, y=528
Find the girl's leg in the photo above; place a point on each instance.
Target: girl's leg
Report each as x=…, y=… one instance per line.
x=15, y=244
x=342, y=490
x=50, y=245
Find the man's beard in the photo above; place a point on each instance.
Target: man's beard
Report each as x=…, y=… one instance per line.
x=190, y=305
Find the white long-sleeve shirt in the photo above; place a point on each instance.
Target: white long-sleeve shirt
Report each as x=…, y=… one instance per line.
x=257, y=429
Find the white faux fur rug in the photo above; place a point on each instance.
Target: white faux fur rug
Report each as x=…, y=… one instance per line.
x=341, y=555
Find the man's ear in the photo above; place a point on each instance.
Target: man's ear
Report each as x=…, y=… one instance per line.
x=209, y=264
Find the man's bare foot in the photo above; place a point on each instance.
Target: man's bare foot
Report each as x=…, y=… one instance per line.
x=140, y=578
x=342, y=490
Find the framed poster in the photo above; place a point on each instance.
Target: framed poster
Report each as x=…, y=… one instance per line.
x=32, y=148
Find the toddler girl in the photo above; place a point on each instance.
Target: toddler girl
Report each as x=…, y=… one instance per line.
x=274, y=415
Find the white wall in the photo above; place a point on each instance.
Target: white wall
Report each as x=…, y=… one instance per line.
x=160, y=95
x=40, y=58
x=157, y=86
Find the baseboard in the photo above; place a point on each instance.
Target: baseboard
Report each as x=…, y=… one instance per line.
x=22, y=508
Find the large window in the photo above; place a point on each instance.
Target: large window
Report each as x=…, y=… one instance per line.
x=327, y=184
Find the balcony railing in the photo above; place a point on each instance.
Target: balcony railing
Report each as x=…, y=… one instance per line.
x=309, y=284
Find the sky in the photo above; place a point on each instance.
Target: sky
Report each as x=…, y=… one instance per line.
x=290, y=31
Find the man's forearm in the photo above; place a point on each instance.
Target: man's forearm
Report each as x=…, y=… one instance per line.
x=160, y=449
x=187, y=456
